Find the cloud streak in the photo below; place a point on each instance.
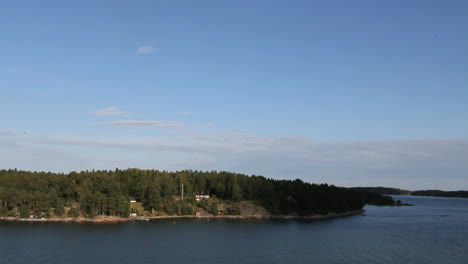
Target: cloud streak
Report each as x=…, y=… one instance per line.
x=7, y=132
x=185, y=113
x=112, y=110
x=133, y=145
x=143, y=123
x=145, y=50
x=278, y=150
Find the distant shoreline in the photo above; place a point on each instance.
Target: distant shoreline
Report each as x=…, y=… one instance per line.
x=110, y=220
x=431, y=193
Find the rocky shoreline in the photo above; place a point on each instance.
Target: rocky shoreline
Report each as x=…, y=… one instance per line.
x=110, y=219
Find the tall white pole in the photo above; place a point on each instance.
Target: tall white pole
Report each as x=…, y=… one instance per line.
x=182, y=191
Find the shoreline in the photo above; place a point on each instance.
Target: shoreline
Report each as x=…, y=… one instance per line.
x=111, y=219
x=104, y=220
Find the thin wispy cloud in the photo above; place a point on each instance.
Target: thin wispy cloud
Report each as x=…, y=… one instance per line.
x=144, y=50
x=237, y=138
x=112, y=110
x=143, y=123
x=207, y=125
x=185, y=113
x=150, y=146
x=185, y=131
x=7, y=132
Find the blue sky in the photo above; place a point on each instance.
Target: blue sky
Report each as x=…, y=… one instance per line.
x=344, y=92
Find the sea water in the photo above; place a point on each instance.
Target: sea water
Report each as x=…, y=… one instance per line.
x=434, y=230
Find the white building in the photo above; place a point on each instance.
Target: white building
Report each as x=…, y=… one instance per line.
x=201, y=195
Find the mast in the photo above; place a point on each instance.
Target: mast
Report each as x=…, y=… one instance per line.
x=182, y=191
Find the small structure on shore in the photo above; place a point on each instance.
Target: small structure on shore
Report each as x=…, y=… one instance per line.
x=201, y=195
x=132, y=200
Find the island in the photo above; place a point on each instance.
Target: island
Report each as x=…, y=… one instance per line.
x=122, y=195
x=439, y=193
x=383, y=190
x=396, y=191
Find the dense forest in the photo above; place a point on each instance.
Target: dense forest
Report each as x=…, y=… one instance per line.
x=96, y=193
x=439, y=193
x=383, y=190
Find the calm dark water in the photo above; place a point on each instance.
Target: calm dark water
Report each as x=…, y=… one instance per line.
x=435, y=230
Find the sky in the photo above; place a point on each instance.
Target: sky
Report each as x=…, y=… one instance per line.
x=350, y=93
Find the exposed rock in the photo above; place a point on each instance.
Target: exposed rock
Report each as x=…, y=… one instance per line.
x=248, y=208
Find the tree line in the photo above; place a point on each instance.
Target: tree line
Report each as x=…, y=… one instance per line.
x=108, y=192
x=439, y=193
x=383, y=190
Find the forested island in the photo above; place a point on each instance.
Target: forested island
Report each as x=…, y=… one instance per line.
x=439, y=193
x=152, y=193
x=383, y=190
x=396, y=191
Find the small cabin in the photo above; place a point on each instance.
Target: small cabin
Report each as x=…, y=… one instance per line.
x=201, y=195
x=133, y=215
x=132, y=200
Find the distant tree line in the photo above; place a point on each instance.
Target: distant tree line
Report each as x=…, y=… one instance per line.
x=439, y=193
x=96, y=193
x=395, y=191
x=383, y=190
